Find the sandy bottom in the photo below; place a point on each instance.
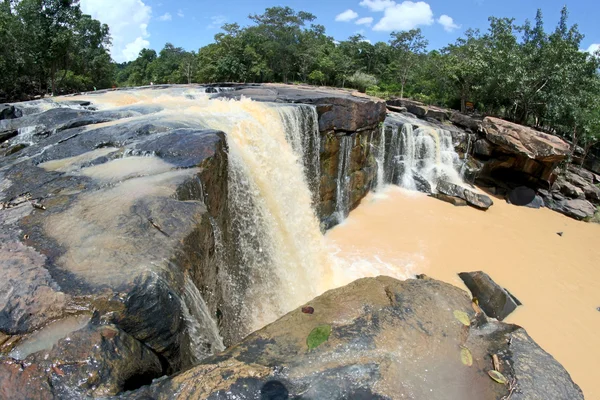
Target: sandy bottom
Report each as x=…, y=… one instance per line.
x=557, y=278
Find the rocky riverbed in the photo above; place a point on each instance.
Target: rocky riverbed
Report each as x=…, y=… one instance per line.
x=145, y=230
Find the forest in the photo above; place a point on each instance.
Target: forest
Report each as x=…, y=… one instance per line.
x=525, y=73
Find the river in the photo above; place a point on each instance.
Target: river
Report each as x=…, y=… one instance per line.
x=402, y=233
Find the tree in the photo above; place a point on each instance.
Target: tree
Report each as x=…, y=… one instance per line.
x=407, y=49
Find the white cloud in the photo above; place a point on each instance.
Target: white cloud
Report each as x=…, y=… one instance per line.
x=377, y=5
x=128, y=21
x=346, y=16
x=448, y=23
x=364, y=21
x=405, y=16
x=593, y=48
x=180, y=13
x=165, y=17
x=217, y=21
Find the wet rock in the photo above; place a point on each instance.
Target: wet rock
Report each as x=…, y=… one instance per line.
x=422, y=184
x=471, y=169
x=4, y=136
x=477, y=200
x=495, y=301
x=9, y=111
x=98, y=360
x=380, y=347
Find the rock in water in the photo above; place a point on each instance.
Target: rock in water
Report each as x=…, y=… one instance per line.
x=447, y=191
x=495, y=301
x=477, y=200
x=524, y=196
x=389, y=339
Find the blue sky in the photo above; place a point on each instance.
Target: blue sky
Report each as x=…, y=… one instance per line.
x=136, y=24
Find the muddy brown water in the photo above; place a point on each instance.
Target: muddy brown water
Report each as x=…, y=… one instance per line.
x=557, y=278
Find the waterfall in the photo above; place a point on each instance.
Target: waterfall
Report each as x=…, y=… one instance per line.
x=202, y=328
x=279, y=248
x=380, y=160
x=411, y=155
x=342, y=201
x=301, y=125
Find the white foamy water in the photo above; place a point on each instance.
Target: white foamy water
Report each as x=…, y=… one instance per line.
x=407, y=154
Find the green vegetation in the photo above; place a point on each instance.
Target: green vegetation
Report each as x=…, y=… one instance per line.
x=50, y=46
x=523, y=73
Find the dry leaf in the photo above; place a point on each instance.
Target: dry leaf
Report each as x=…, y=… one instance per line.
x=496, y=362
x=463, y=317
x=498, y=377
x=466, y=357
x=476, y=307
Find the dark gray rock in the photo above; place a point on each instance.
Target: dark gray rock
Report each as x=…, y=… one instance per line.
x=422, y=184
x=575, y=208
x=495, y=301
x=9, y=111
x=483, y=148
x=524, y=196
x=477, y=200
x=472, y=198
x=466, y=121
x=568, y=189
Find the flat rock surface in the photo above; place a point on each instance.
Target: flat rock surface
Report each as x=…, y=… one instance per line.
x=388, y=339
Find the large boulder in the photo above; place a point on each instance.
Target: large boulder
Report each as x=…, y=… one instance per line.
x=377, y=338
x=518, y=139
x=495, y=301
x=521, y=155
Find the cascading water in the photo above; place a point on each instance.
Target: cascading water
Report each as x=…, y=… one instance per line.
x=280, y=250
x=203, y=331
x=342, y=202
x=301, y=125
x=415, y=154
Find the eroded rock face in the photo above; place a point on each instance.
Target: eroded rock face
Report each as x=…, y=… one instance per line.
x=389, y=340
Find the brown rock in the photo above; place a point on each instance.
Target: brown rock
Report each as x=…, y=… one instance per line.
x=519, y=139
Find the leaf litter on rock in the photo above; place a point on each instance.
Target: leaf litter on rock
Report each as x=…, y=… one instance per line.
x=498, y=377
x=465, y=356
x=463, y=317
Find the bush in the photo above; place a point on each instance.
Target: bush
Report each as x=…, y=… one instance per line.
x=316, y=77
x=361, y=81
